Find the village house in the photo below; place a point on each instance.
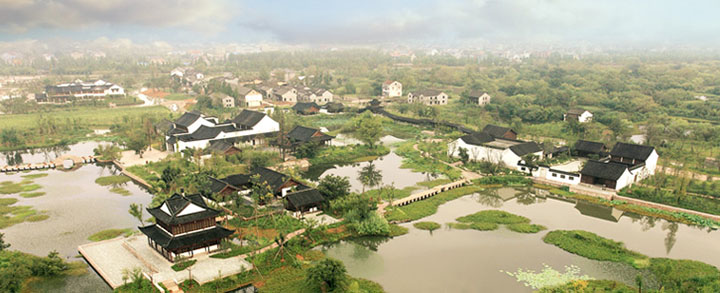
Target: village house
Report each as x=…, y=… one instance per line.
x=499, y=131
x=195, y=130
x=184, y=226
x=318, y=96
x=579, y=115
x=305, y=200
x=306, y=108
x=428, y=97
x=636, y=155
x=483, y=146
x=285, y=94
x=228, y=101
x=279, y=183
x=391, y=89
x=79, y=90
x=607, y=174
x=301, y=135
x=590, y=149
x=249, y=97
x=187, y=76
x=222, y=147
x=482, y=98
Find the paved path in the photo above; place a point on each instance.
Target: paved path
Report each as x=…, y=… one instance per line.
x=429, y=193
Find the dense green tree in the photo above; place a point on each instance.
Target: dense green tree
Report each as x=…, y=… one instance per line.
x=368, y=129
x=3, y=245
x=333, y=186
x=328, y=273
x=369, y=176
x=136, y=211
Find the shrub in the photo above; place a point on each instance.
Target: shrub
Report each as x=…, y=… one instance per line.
x=374, y=225
x=112, y=180
x=179, y=266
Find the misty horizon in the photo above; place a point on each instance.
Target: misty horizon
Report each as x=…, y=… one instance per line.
x=615, y=23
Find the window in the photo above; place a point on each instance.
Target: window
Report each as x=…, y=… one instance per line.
x=571, y=178
x=554, y=175
x=522, y=168
x=562, y=176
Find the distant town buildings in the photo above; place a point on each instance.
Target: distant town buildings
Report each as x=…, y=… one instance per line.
x=79, y=90
x=428, y=97
x=249, y=97
x=391, y=89
x=319, y=96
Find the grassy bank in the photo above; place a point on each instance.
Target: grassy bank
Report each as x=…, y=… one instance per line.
x=424, y=208
x=90, y=117
x=640, y=210
x=673, y=275
x=671, y=198
x=412, y=159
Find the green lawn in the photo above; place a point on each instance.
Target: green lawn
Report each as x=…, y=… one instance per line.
x=88, y=116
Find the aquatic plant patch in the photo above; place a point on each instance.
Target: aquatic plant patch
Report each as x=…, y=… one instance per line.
x=112, y=180
x=429, y=226
x=526, y=228
x=34, y=176
x=547, y=276
x=32, y=194
x=110, y=234
x=493, y=216
x=120, y=191
x=592, y=246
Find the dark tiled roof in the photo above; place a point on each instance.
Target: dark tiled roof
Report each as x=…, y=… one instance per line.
x=219, y=146
x=207, y=132
x=248, y=118
x=273, y=178
x=176, y=204
x=305, y=197
x=282, y=90
x=427, y=93
x=477, y=138
x=496, y=131
x=610, y=170
x=170, y=242
x=576, y=111
x=589, y=146
x=634, y=151
x=525, y=148
x=476, y=94
x=303, y=134
x=243, y=90
x=305, y=107
x=217, y=185
x=187, y=119
x=334, y=107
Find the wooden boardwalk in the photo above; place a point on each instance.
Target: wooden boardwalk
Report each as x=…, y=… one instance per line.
x=132, y=176
x=430, y=192
x=57, y=162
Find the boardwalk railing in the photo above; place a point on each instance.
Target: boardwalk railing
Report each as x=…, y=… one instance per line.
x=429, y=193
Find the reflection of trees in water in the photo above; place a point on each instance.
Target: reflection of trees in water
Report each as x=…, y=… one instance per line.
x=371, y=243
x=13, y=158
x=489, y=198
x=647, y=222
x=525, y=197
x=671, y=237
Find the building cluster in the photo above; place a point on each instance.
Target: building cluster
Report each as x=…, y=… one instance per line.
x=622, y=166
x=79, y=90
x=187, y=76
x=195, y=130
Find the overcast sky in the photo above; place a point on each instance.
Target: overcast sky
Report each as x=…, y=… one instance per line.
x=693, y=22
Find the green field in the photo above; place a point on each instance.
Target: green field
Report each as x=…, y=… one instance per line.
x=90, y=117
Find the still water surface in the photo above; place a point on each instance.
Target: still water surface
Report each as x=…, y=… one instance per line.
x=471, y=261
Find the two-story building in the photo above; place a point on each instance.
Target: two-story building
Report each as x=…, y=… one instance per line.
x=579, y=115
x=79, y=90
x=391, y=89
x=481, y=98
x=249, y=98
x=428, y=97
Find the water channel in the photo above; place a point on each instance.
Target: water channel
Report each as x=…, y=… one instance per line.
x=471, y=261
x=78, y=208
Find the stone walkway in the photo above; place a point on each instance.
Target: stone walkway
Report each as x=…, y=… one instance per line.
x=111, y=257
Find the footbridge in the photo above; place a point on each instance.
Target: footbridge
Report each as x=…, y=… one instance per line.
x=430, y=192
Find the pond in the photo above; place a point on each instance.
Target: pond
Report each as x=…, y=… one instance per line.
x=42, y=155
x=388, y=165
x=78, y=208
x=471, y=261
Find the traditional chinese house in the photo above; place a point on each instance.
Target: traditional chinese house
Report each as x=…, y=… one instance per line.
x=185, y=226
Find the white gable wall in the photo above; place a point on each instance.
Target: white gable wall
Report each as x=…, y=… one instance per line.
x=190, y=209
x=585, y=117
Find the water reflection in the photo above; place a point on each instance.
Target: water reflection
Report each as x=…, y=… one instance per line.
x=42, y=155
x=469, y=261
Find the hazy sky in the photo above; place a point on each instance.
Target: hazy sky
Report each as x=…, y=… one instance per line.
x=365, y=22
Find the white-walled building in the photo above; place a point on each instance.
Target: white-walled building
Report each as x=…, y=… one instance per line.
x=481, y=98
x=391, y=89
x=481, y=146
x=79, y=90
x=194, y=130
x=579, y=115
x=428, y=97
x=249, y=97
